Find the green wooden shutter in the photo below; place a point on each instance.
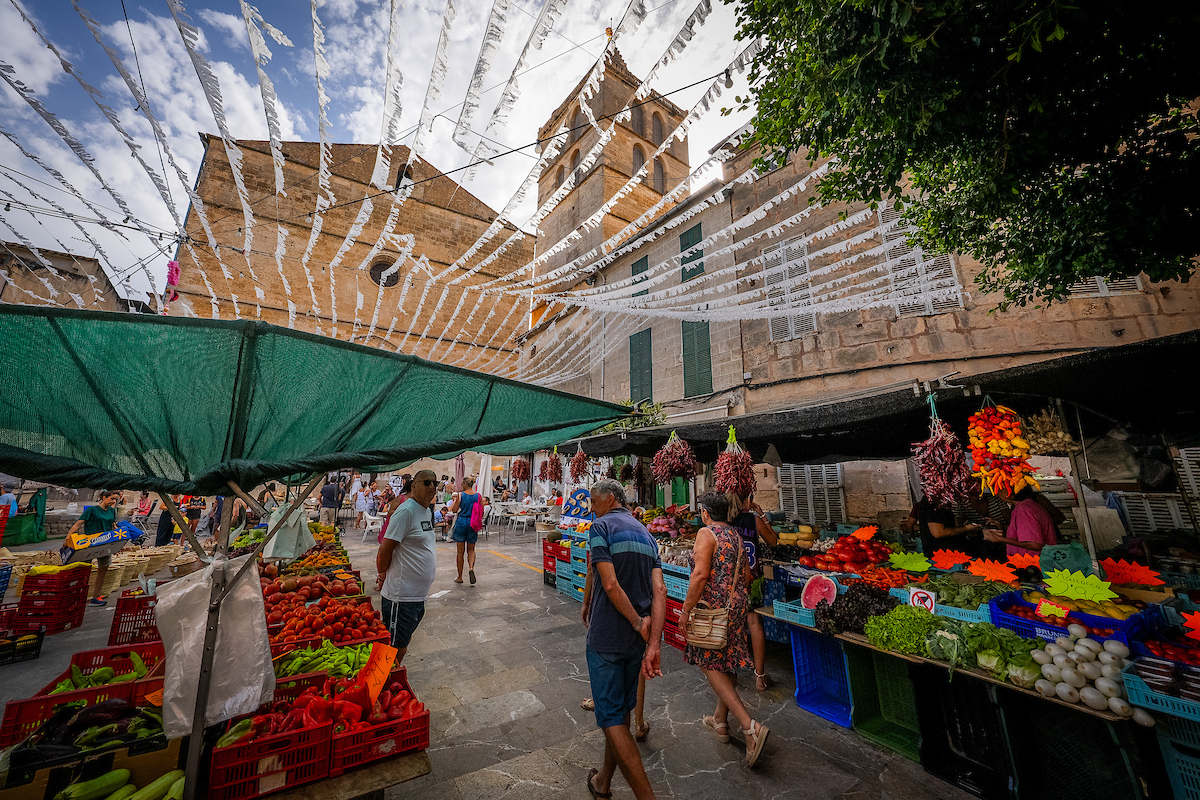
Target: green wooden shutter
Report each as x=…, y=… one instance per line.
x=679, y=491
x=692, y=265
x=640, y=266
x=697, y=359
x=641, y=367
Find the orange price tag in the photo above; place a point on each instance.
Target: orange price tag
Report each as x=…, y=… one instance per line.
x=866, y=532
x=374, y=673
x=1020, y=560
x=992, y=570
x=1048, y=608
x=945, y=559
x=155, y=698
x=1192, y=621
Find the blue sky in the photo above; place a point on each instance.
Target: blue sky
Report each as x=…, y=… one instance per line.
x=356, y=34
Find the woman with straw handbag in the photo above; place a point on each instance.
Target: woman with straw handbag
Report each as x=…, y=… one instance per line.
x=714, y=614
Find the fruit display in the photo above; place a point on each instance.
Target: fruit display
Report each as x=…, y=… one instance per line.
x=337, y=620
x=579, y=465
x=520, y=469
x=816, y=589
x=850, y=612
x=325, y=533
x=1180, y=649
x=1116, y=610
x=1078, y=669
x=940, y=460
x=848, y=554
x=663, y=526
x=1165, y=677
x=324, y=554
x=651, y=514
x=804, y=537
x=734, y=469
x=999, y=452
x=1047, y=435
x=674, y=460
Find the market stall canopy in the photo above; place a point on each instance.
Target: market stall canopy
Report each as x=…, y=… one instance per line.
x=1143, y=384
x=183, y=405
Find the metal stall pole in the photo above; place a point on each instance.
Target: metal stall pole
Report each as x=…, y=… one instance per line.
x=1084, y=520
x=182, y=522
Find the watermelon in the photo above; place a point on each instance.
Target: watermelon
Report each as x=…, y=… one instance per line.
x=818, y=588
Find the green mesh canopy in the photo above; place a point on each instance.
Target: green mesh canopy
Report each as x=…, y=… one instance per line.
x=90, y=399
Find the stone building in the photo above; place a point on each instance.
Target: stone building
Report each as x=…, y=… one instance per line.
x=384, y=289
x=71, y=281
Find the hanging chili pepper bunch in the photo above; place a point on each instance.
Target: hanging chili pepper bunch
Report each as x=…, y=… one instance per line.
x=611, y=473
x=674, y=460
x=579, y=465
x=999, y=451
x=626, y=472
x=520, y=469
x=942, y=464
x=554, y=470
x=735, y=469
x=544, y=470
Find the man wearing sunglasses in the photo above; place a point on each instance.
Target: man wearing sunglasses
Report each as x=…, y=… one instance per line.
x=407, y=563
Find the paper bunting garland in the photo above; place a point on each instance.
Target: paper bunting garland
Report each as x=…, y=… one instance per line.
x=1078, y=586
x=1192, y=620
x=945, y=559
x=865, y=532
x=1020, y=560
x=991, y=570
x=913, y=562
x=1125, y=572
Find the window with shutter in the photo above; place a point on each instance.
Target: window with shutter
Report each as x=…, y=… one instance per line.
x=641, y=369
x=697, y=359
x=577, y=125
x=639, y=158
x=692, y=264
x=656, y=130
x=921, y=285
x=638, y=121
x=1095, y=286
x=812, y=494
x=785, y=272
x=640, y=266
x=660, y=180
x=558, y=178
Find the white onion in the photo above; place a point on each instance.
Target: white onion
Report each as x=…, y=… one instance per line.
x=1065, y=643
x=1062, y=662
x=1091, y=644
x=1089, y=670
x=1142, y=717
x=1115, y=647
x=1046, y=688
x=1112, y=672
x=1119, y=707
x=1052, y=672
x=1106, y=657
x=1076, y=630
x=1093, y=699
x=1086, y=653
x=1055, y=650
x=1067, y=692
x=1042, y=657
x=1074, y=678
x=1108, y=687
x=1077, y=657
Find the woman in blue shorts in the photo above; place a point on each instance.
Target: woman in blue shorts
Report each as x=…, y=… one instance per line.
x=463, y=533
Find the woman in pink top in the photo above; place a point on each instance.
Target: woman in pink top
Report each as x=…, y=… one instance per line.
x=1030, y=527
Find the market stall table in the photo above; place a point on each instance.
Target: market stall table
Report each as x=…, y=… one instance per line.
x=364, y=784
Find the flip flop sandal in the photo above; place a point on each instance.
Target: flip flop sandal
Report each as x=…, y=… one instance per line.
x=714, y=726
x=588, y=705
x=763, y=682
x=472, y=577
x=595, y=793
x=642, y=733
x=759, y=732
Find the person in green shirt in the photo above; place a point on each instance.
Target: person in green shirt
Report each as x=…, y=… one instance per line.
x=98, y=519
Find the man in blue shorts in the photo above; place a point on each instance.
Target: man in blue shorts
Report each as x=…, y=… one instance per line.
x=407, y=562
x=624, y=617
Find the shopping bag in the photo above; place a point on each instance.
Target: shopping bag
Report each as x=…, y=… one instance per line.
x=292, y=539
x=243, y=677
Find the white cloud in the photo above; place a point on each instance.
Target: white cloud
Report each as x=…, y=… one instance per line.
x=233, y=28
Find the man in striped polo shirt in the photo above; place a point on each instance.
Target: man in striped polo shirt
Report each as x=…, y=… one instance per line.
x=624, y=618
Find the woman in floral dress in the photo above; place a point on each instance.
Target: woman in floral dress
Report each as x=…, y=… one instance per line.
x=715, y=560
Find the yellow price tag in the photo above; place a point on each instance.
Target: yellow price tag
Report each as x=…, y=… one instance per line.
x=1078, y=586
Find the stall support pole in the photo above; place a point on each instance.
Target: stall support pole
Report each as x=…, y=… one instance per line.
x=204, y=679
x=182, y=522
x=1083, y=519
x=247, y=499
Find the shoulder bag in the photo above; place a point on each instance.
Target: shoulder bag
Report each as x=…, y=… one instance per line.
x=708, y=628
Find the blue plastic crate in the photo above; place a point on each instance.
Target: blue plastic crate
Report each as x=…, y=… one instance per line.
x=794, y=613
x=776, y=631
x=1179, y=579
x=578, y=553
x=822, y=677
x=677, y=571
x=578, y=579
x=773, y=590
x=676, y=587
x=1123, y=631
x=1143, y=696
x=1183, y=768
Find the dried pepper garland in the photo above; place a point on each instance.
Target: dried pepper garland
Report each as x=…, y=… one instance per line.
x=579, y=465
x=674, y=460
x=611, y=474
x=999, y=451
x=544, y=470
x=942, y=464
x=520, y=469
x=554, y=470
x=626, y=472
x=735, y=469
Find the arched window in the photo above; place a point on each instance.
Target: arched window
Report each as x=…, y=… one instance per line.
x=659, y=179
x=639, y=158
x=577, y=125
x=574, y=160
x=656, y=129
x=385, y=273
x=558, y=178
x=638, y=121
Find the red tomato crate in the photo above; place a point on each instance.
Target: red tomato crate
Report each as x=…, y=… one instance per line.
x=133, y=621
x=269, y=764
x=21, y=717
x=390, y=739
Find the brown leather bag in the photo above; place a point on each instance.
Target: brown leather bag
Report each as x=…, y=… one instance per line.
x=708, y=628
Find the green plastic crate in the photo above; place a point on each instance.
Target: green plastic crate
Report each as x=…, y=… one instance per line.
x=882, y=704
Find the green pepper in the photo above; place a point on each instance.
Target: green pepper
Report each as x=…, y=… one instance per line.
x=65, y=685
x=102, y=676
x=126, y=678
x=77, y=677
x=139, y=666
x=240, y=731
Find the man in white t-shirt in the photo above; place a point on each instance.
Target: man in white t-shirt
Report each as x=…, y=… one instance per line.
x=407, y=563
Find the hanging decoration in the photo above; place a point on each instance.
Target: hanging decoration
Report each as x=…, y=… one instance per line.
x=579, y=465
x=554, y=470
x=942, y=464
x=520, y=469
x=1046, y=434
x=544, y=470
x=674, y=460
x=626, y=472
x=999, y=451
x=735, y=469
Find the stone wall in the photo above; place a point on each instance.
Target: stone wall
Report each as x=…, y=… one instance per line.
x=872, y=487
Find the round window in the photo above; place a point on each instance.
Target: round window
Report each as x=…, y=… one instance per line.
x=385, y=273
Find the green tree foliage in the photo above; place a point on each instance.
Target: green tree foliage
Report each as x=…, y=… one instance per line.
x=651, y=414
x=1049, y=141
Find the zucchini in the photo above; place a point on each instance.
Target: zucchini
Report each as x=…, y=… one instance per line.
x=96, y=788
x=158, y=789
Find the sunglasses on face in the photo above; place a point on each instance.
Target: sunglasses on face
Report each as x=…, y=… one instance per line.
x=427, y=482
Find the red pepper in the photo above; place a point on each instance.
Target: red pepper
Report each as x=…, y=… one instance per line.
x=294, y=721
x=359, y=726
x=385, y=699
x=347, y=711
x=358, y=695
x=396, y=712
x=320, y=708
x=328, y=690
x=401, y=698
x=415, y=707
x=303, y=701
x=340, y=727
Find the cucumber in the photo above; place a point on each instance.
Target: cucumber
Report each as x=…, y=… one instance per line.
x=122, y=793
x=158, y=789
x=96, y=788
x=176, y=790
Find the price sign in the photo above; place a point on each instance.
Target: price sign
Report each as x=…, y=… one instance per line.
x=992, y=570
x=155, y=698
x=945, y=559
x=923, y=598
x=1078, y=586
x=1125, y=572
x=865, y=533
x=913, y=562
x=374, y=673
x=1020, y=560
x=1048, y=608
x=1191, y=619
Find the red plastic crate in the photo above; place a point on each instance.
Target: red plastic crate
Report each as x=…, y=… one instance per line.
x=50, y=603
x=133, y=621
x=674, y=612
x=49, y=624
x=75, y=578
x=8, y=612
x=390, y=739
x=549, y=563
x=674, y=636
x=559, y=551
x=269, y=764
x=22, y=717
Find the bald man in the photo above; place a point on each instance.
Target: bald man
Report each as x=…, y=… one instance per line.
x=407, y=563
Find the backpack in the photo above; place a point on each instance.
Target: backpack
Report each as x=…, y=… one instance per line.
x=477, y=513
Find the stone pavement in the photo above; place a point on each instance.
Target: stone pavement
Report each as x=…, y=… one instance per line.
x=501, y=668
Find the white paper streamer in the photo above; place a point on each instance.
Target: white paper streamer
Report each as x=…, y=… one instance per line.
x=258, y=47
x=493, y=34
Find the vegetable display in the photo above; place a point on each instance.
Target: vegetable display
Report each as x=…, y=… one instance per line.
x=1047, y=436
x=734, y=469
x=848, y=554
x=1077, y=668
x=674, y=460
x=999, y=451
x=340, y=662
x=115, y=785
x=851, y=612
x=951, y=592
x=337, y=620
x=520, y=469
x=544, y=470
x=903, y=630
x=579, y=465
x=104, y=676
x=77, y=728
x=626, y=472
x=942, y=464
x=1003, y=654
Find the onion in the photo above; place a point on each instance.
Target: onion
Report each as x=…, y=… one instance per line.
x=1119, y=707
x=1089, y=670
x=1042, y=657
x=1077, y=657
x=1115, y=647
x=1046, y=688
x=1055, y=650
x=1074, y=678
x=1106, y=657
x=1091, y=644
x=1112, y=672
x=1093, y=699
x=1063, y=662
x=1086, y=653
x=1067, y=692
x=1066, y=644
x=1108, y=687
x=1142, y=717
x=1076, y=630
x=1052, y=672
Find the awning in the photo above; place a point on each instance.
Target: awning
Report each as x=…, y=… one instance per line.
x=1148, y=385
x=90, y=399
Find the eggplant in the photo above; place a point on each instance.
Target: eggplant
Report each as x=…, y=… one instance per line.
x=103, y=713
x=54, y=730
x=24, y=757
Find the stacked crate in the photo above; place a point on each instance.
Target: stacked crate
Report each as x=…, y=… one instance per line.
x=52, y=603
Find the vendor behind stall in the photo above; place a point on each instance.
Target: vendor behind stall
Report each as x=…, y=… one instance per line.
x=98, y=519
x=936, y=529
x=1030, y=526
